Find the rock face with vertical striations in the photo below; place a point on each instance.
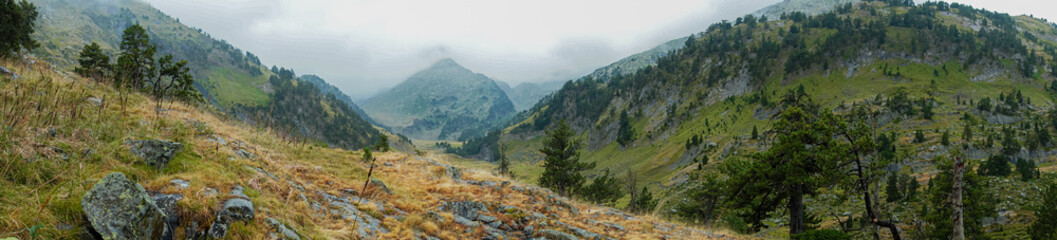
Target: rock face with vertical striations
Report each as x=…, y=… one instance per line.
x=119, y=208
x=444, y=101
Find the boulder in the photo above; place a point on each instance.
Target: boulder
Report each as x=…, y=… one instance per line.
x=378, y=183
x=180, y=183
x=555, y=234
x=235, y=209
x=167, y=203
x=285, y=232
x=119, y=208
x=467, y=209
x=156, y=153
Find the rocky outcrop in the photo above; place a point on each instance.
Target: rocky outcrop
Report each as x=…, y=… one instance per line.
x=119, y=208
x=167, y=203
x=156, y=153
x=238, y=208
x=283, y=232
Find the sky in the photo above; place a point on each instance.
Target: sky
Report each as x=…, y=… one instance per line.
x=366, y=46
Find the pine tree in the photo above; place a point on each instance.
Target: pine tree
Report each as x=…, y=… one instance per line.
x=94, y=63
x=997, y=165
x=977, y=201
x=603, y=190
x=625, y=135
x=1027, y=169
x=790, y=170
x=967, y=134
x=562, y=168
x=892, y=191
x=755, y=134
x=504, y=162
x=919, y=136
x=1045, y=225
x=136, y=59
x=946, y=139
x=17, y=24
x=643, y=202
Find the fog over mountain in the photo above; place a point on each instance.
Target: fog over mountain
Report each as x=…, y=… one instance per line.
x=367, y=46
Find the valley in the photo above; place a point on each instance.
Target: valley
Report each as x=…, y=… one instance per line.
x=807, y=119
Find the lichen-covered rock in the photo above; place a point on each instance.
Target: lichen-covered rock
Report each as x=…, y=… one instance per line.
x=119, y=208
x=467, y=209
x=236, y=209
x=156, y=153
x=167, y=203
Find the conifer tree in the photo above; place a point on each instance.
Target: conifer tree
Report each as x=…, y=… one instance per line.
x=562, y=168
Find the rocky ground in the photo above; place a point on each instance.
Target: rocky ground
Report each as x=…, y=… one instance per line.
x=86, y=166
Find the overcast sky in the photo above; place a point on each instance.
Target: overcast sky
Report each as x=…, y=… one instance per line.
x=363, y=46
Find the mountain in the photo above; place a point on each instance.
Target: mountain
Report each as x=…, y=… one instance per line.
x=527, y=94
x=919, y=73
x=231, y=79
x=444, y=101
x=85, y=166
x=809, y=7
x=331, y=89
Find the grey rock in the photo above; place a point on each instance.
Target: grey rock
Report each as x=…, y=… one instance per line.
x=467, y=209
x=454, y=173
x=465, y=222
x=119, y=208
x=486, y=218
x=237, y=192
x=495, y=224
x=155, y=153
x=378, y=183
x=167, y=203
x=242, y=153
x=280, y=228
x=181, y=184
x=209, y=192
x=8, y=73
x=387, y=164
x=555, y=234
x=235, y=209
x=95, y=101
x=219, y=140
x=192, y=231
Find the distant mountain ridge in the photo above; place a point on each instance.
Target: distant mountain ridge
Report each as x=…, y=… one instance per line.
x=341, y=96
x=233, y=80
x=444, y=101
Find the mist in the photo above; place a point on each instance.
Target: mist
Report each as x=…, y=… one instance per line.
x=364, y=47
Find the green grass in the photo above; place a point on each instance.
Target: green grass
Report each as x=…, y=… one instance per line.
x=235, y=87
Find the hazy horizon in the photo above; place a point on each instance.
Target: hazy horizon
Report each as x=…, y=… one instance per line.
x=363, y=47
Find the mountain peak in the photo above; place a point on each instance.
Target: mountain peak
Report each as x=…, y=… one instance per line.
x=446, y=63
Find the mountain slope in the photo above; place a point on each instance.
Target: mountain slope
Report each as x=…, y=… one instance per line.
x=697, y=107
x=233, y=80
x=809, y=7
x=326, y=88
x=54, y=155
x=444, y=101
x=527, y=94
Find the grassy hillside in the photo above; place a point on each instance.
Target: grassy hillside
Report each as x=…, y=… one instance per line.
x=231, y=79
x=65, y=133
x=703, y=101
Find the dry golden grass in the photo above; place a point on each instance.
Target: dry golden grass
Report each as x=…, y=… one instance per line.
x=41, y=197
